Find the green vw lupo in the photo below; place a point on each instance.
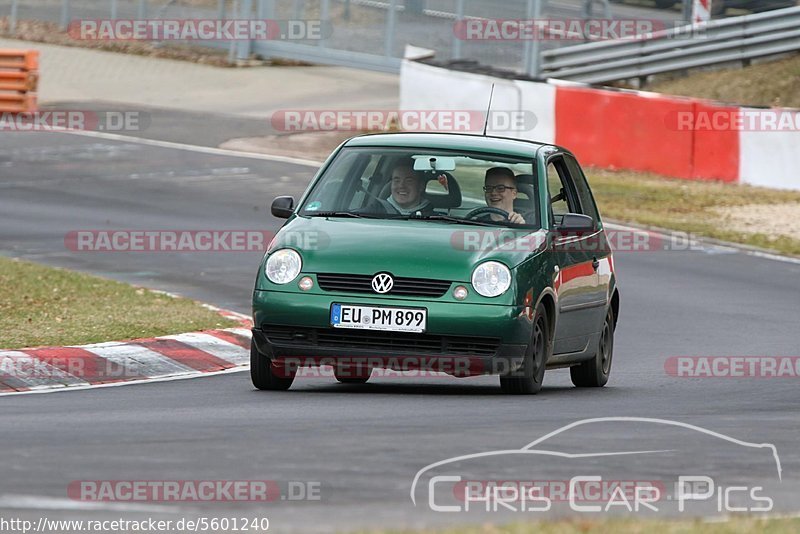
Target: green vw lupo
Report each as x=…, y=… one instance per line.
x=403, y=255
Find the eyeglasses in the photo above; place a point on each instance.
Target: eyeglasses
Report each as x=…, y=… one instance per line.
x=499, y=188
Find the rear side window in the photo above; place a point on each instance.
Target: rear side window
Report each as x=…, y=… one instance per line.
x=562, y=196
x=588, y=206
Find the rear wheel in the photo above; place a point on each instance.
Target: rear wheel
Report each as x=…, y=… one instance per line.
x=527, y=380
x=595, y=372
x=265, y=374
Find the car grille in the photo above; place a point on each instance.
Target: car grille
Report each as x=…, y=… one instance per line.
x=362, y=283
x=389, y=341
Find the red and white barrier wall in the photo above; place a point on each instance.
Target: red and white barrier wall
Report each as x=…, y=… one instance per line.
x=619, y=129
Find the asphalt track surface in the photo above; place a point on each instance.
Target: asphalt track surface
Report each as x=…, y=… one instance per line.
x=364, y=444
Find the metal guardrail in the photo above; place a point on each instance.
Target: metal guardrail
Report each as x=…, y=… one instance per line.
x=719, y=41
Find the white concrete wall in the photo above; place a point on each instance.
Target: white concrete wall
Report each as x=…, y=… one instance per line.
x=770, y=158
x=540, y=98
x=424, y=87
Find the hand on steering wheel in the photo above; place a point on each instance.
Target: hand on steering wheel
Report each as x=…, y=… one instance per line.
x=487, y=210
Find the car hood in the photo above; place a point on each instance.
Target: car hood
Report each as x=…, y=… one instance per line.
x=419, y=249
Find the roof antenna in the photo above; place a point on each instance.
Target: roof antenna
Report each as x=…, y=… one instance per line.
x=486, y=124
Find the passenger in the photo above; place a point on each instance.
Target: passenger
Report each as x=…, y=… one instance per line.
x=500, y=189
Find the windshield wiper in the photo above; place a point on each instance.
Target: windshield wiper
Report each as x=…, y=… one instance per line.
x=339, y=214
x=449, y=218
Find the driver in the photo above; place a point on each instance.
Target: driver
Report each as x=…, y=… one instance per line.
x=407, y=188
x=500, y=189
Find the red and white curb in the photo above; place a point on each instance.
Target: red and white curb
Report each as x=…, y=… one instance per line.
x=193, y=354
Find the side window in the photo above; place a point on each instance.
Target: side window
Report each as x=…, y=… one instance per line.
x=361, y=198
x=562, y=198
x=588, y=206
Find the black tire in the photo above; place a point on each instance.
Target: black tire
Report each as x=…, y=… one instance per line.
x=347, y=376
x=594, y=373
x=263, y=375
x=527, y=380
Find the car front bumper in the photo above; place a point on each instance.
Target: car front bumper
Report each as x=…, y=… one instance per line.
x=461, y=339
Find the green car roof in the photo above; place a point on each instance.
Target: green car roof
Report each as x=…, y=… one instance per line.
x=467, y=142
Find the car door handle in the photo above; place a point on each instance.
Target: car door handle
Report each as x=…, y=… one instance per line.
x=595, y=263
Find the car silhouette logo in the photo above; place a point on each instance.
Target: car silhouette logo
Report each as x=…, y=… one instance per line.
x=382, y=283
x=533, y=449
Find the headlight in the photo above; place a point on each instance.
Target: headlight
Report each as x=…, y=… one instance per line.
x=283, y=266
x=491, y=279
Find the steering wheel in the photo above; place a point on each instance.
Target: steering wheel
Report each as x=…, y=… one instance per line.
x=487, y=210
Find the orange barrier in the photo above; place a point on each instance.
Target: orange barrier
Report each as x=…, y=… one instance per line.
x=19, y=77
x=10, y=103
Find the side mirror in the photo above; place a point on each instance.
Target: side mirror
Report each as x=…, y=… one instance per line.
x=575, y=222
x=283, y=207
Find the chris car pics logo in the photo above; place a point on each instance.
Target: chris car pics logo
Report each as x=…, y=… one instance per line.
x=603, y=480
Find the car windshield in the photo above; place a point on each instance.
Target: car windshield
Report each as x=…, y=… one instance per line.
x=434, y=185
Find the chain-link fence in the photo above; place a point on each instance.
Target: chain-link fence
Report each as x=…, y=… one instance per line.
x=361, y=33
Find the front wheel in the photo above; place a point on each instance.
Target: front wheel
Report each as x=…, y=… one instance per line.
x=595, y=372
x=352, y=375
x=266, y=375
x=527, y=380
x=665, y=4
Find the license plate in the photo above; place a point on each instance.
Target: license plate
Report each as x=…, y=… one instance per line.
x=379, y=318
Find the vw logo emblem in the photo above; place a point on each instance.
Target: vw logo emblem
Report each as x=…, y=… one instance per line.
x=382, y=283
